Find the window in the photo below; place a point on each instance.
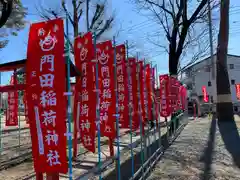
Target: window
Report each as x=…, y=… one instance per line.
x=207, y=69
x=232, y=81
x=231, y=66
x=209, y=83
x=200, y=97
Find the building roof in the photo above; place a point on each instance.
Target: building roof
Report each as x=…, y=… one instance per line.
x=200, y=61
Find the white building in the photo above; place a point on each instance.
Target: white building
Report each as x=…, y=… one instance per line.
x=202, y=74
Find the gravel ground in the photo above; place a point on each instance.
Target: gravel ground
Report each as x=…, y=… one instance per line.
x=24, y=170
x=204, y=150
x=10, y=141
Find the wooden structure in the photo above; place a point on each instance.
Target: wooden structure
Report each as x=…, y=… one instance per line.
x=20, y=66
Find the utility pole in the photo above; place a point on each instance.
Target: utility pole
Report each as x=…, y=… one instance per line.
x=224, y=99
x=211, y=38
x=212, y=63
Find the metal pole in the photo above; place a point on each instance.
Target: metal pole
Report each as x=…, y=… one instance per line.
x=159, y=119
x=1, y=116
x=69, y=116
x=147, y=115
x=19, y=122
x=97, y=107
x=153, y=109
x=140, y=118
x=211, y=38
x=211, y=49
x=117, y=115
x=130, y=110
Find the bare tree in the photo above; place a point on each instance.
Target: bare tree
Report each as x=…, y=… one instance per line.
x=91, y=13
x=183, y=26
x=11, y=20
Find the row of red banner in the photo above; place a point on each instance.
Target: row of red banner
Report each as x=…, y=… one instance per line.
x=85, y=107
x=172, y=95
x=12, y=110
x=46, y=94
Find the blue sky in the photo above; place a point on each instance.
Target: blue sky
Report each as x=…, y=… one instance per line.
x=134, y=27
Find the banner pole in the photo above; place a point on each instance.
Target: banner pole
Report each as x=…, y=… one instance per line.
x=158, y=119
x=2, y=113
x=117, y=112
x=146, y=112
x=97, y=108
x=69, y=110
x=140, y=118
x=18, y=112
x=130, y=111
x=19, y=122
x=153, y=108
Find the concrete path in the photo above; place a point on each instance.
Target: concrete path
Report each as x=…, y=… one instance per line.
x=205, y=150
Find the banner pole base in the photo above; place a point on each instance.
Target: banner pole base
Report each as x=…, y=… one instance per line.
x=111, y=147
x=52, y=176
x=39, y=176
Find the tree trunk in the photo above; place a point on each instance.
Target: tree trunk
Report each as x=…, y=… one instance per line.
x=224, y=100
x=173, y=64
x=75, y=18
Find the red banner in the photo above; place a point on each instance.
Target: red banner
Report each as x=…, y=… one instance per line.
x=183, y=96
x=165, y=95
x=25, y=102
x=157, y=102
x=85, y=96
x=173, y=94
x=178, y=103
x=133, y=89
x=238, y=91
x=12, y=111
x=149, y=91
x=205, y=95
x=122, y=86
x=106, y=86
x=46, y=86
x=25, y=107
x=141, y=90
x=155, y=96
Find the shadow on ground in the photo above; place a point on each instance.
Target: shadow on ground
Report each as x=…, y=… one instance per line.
x=126, y=166
x=230, y=136
x=207, y=156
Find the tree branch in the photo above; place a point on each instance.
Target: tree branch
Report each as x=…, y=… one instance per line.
x=98, y=12
x=172, y=6
x=87, y=14
x=105, y=26
x=160, y=6
x=196, y=12
x=159, y=45
x=79, y=10
x=166, y=29
x=184, y=11
x=67, y=13
x=6, y=11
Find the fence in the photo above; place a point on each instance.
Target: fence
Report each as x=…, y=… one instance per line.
x=138, y=152
x=16, y=148
x=133, y=153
